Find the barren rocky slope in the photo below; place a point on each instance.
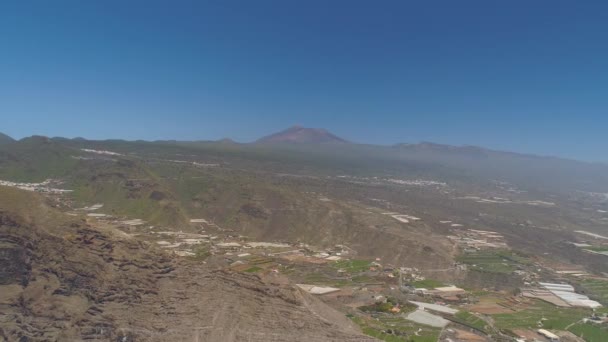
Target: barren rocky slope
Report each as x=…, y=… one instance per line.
x=61, y=279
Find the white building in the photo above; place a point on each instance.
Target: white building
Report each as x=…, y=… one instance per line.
x=549, y=335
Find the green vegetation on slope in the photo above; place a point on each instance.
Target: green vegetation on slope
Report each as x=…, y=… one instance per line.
x=36, y=159
x=31, y=206
x=126, y=188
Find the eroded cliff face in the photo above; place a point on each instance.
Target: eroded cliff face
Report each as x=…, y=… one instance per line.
x=15, y=253
x=74, y=282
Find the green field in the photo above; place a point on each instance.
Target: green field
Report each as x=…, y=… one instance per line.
x=590, y=332
x=493, y=261
x=427, y=284
x=404, y=330
x=597, y=289
x=472, y=320
x=553, y=318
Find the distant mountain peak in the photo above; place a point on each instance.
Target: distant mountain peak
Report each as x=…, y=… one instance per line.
x=226, y=141
x=302, y=135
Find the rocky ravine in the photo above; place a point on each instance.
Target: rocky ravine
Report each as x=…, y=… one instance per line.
x=70, y=282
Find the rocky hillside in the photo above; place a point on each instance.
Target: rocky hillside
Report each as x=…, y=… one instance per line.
x=61, y=279
x=4, y=139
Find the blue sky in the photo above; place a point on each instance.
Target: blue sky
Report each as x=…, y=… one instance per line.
x=526, y=76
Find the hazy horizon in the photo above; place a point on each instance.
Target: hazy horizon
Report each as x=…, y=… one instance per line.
x=599, y=162
x=527, y=78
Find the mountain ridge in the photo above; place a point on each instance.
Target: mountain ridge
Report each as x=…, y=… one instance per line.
x=284, y=138
x=5, y=139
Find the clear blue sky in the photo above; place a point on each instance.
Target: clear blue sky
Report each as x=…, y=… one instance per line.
x=527, y=76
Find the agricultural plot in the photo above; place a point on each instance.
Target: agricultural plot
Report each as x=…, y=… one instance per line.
x=255, y=264
x=326, y=274
x=397, y=329
x=597, y=289
x=491, y=305
x=602, y=250
x=324, y=279
x=590, y=332
x=469, y=319
x=544, y=315
x=493, y=261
